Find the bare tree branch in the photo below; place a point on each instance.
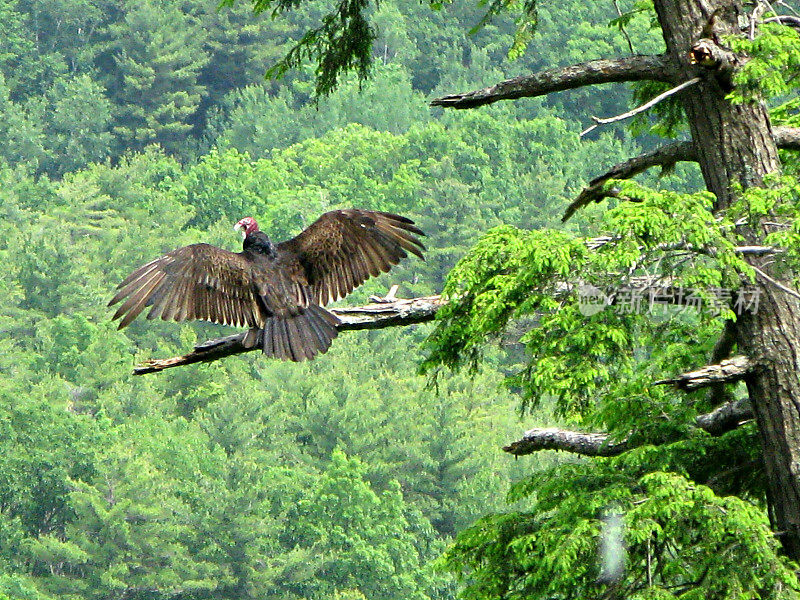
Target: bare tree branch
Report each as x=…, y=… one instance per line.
x=787, y=138
x=392, y=312
x=372, y=316
x=640, y=109
x=775, y=282
x=622, y=28
x=665, y=157
x=722, y=419
x=728, y=371
x=632, y=68
x=788, y=20
x=552, y=438
x=726, y=417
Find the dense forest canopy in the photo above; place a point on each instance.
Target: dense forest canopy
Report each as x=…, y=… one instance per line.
x=128, y=129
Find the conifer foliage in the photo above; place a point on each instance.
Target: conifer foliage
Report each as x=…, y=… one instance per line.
x=130, y=128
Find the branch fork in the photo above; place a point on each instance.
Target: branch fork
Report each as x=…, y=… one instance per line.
x=722, y=419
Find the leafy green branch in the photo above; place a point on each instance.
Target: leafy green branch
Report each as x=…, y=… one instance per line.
x=773, y=64
x=513, y=275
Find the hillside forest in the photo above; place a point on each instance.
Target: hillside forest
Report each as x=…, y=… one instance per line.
x=130, y=128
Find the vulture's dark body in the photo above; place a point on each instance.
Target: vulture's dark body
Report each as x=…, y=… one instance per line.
x=258, y=245
x=277, y=290
x=293, y=328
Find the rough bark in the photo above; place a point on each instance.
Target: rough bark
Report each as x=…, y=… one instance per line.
x=772, y=338
x=632, y=68
x=734, y=142
x=735, y=145
x=787, y=138
x=371, y=316
x=552, y=438
x=726, y=417
x=728, y=371
x=722, y=419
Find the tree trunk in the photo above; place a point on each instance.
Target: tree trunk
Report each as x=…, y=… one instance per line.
x=734, y=144
x=772, y=338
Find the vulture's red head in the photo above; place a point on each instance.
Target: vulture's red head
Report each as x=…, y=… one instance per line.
x=247, y=226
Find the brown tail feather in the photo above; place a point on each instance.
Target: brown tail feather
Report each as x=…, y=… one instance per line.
x=300, y=337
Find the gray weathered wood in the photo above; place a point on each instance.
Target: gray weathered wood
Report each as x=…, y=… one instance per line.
x=371, y=316
x=720, y=420
x=728, y=371
x=631, y=68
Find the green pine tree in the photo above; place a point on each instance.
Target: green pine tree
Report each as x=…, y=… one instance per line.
x=158, y=56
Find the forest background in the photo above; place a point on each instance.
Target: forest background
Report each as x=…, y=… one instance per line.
x=128, y=128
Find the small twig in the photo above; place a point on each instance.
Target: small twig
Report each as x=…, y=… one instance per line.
x=622, y=28
x=788, y=6
x=787, y=20
x=776, y=283
x=639, y=109
x=755, y=16
x=391, y=296
x=770, y=7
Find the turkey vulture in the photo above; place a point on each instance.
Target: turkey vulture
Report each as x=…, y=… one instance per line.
x=277, y=290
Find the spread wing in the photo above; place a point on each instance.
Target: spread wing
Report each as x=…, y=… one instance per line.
x=343, y=248
x=194, y=282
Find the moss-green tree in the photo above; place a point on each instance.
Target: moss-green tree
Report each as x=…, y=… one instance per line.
x=158, y=56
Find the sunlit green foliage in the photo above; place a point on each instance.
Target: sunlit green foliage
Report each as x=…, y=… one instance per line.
x=517, y=274
x=196, y=482
x=681, y=540
x=690, y=508
x=682, y=526
x=346, y=477
x=773, y=63
x=192, y=77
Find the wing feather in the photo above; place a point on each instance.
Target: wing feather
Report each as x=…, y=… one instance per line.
x=194, y=282
x=282, y=340
x=377, y=262
x=269, y=338
x=343, y=248
x=136, y=302
x=135, y=295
